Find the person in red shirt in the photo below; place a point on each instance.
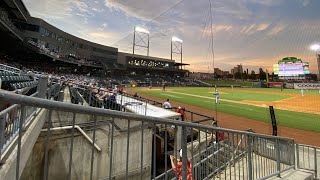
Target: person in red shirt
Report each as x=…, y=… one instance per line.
x=177, y=167
x=181, y=111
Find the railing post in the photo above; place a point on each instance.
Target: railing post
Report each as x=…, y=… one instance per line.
x=297, y=160
x=42, y=87
x=145, y=110
x=191, y=116
x=2, y=133
x=22, y=115
x=249, y=157
x=315, y=163
x=278, y=157
x=184, y=152
x=293, y=155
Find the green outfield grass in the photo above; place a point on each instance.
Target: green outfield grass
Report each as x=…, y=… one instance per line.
x=297, y=120
x=228, y=93
x=294, y=91
x=230, y=83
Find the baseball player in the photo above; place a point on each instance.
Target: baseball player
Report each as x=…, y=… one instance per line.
x=217, y=96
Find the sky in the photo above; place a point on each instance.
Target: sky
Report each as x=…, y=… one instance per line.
x=254, y=33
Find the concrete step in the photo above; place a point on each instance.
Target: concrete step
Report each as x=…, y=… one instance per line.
x=295, y=175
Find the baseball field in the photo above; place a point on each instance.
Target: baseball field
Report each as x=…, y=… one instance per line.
x=292, y=110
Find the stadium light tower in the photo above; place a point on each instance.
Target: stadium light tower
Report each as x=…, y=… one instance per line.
x=141, y=38
x=316, y=48
x=176, y=47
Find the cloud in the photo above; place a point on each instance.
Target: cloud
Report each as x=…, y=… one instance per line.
x=82, y=7
x=56, y=9
x=305, y=2
x=267, y=2
x=277, y=29
x=145, y=10
x=53, y=9
x=263, y=26
x=101, y=35
x=97, y=10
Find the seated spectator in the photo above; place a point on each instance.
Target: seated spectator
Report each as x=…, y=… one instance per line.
x=167, y=104
x=111, y=103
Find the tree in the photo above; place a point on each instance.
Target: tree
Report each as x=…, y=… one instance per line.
x=230, y=76
x=253, y=75
x=237, y=75
x=262, y=74
x=245, y=75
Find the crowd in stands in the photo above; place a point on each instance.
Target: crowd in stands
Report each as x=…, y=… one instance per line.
x=43, y=49
x=80, y=60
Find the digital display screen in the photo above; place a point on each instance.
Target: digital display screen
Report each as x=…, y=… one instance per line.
x=291, y=69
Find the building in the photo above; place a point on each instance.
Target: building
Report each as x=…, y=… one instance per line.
x=237, y=69
x=220, y=72
x=52, y=41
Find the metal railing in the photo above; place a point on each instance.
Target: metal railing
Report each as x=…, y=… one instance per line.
x=308, y=158
x=11, y=124
x=130, y=153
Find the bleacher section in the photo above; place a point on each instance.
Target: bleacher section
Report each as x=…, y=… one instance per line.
x=55, y=92
x=11, y=81
x=75, y=96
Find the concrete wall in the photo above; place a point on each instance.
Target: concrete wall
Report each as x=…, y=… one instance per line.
x=8, y=170
x=60, y=148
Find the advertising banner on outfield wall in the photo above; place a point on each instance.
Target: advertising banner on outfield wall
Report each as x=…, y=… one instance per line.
x=307, y=86
x=289, y=85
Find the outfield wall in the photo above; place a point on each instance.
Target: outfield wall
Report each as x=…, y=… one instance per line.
x=315, y=86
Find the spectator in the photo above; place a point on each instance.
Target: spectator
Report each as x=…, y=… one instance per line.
x=167, y=104
x=181, y=111
x=177, y=167
x=115, y=90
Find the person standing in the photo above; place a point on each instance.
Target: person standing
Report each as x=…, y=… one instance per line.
x=166, y=104
x=181, y=112
x=302, y=92
x=164, y=87
x=217, y=94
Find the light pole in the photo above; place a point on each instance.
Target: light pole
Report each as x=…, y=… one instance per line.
x=316, y=48
x=141, y=34
x=176, y=47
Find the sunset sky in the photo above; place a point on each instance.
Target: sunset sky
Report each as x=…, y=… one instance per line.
x=255, y=33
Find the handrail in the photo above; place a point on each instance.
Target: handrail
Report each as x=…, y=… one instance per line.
x=43, y=103
x=79, y=129
x=305, y=162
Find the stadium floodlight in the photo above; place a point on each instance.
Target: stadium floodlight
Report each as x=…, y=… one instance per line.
x=315, y=47
x=175, y=39
x=142, y=40
x=142, y=30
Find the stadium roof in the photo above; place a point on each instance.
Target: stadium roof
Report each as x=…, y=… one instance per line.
x=181, y=64
x=18, y=8
x=146, y=57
